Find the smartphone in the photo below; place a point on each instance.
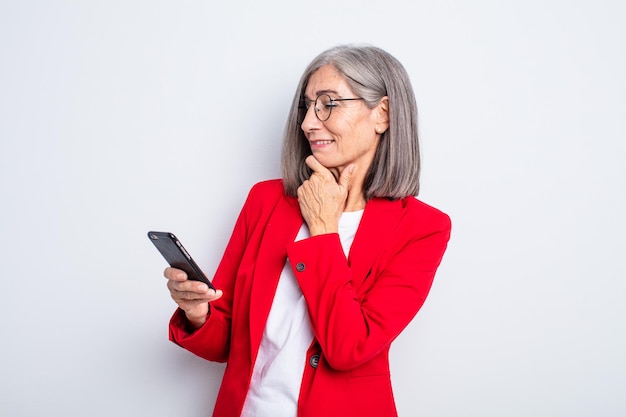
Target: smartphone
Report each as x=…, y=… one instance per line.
x=177, y=256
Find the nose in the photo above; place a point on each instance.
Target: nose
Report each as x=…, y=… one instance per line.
x=310, y=121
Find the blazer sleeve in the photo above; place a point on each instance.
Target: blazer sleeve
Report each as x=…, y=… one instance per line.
x=212, y=340
x=352, y=325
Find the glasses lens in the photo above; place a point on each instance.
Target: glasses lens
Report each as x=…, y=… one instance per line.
x=323, y=106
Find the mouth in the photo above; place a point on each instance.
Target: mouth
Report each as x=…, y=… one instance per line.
x=318, y=143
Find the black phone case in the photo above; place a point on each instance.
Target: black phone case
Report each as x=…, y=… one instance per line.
x=176, y=255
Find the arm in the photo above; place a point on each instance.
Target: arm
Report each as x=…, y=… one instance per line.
x=352, y=324
x=211, y=339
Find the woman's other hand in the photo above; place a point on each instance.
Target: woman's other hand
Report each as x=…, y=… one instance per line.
x=193, y=297
x=322, y=197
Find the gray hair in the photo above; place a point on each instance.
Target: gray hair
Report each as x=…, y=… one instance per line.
x=372, y=74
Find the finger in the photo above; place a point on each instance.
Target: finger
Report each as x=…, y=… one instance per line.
x=174, y=274
x=218, y=294
x=186, y=297
x=209, y=297
x=316, y=166
x=196, y=287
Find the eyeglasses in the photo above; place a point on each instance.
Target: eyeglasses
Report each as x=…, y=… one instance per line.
x=323, y=107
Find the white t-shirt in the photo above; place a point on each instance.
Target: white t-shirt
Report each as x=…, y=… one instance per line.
x=280, y=363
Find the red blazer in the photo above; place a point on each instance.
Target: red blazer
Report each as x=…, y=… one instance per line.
x=357, y=306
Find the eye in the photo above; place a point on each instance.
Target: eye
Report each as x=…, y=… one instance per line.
x=330, y=104
x=326, y=101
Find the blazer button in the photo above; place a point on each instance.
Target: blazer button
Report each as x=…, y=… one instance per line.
x=300, y=267
x=314, y=361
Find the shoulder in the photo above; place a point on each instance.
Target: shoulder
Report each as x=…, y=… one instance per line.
x=265, y=194
x=272, y=187
x=419, y=208
x=406, y=218
x=424, y=217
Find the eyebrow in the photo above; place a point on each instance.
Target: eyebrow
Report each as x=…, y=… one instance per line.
x=320, y=92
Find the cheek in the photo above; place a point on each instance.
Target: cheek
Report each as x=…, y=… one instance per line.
x=358, y=128
x=350, y=127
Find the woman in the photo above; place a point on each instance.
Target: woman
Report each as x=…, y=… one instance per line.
x=327, y=266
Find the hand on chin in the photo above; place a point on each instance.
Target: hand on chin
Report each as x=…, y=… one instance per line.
x=329, y=165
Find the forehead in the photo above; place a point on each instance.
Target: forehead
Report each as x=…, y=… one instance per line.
x=327, y=80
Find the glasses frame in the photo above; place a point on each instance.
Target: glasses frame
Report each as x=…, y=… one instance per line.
x=306, y=104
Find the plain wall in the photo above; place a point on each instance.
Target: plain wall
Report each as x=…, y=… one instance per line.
x=119, y=117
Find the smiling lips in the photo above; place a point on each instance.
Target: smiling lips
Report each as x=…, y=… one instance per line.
x=321, y=142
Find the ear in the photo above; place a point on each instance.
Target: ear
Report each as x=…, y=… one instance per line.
x=382, y=115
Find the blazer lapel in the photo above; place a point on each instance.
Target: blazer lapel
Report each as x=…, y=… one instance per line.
x=377, y=225
x=282, y=227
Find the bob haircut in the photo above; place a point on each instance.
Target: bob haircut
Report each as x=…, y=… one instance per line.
x=372, y=74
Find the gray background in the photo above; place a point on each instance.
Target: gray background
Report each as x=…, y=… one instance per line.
x=117, y=117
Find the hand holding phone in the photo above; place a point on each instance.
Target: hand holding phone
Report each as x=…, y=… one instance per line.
x=177, y=256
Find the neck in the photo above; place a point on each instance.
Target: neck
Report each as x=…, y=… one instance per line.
x=356, y=199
